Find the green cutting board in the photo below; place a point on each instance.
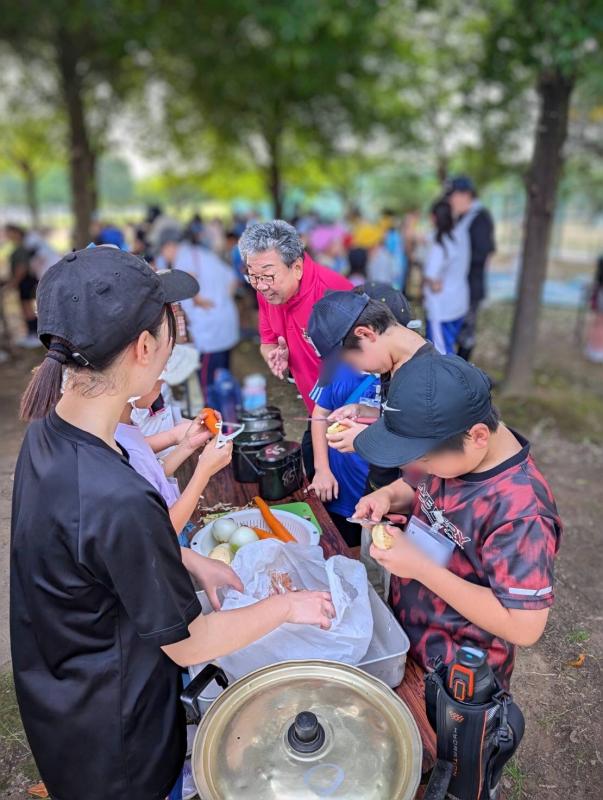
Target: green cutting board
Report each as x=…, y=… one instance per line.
x=302, y=510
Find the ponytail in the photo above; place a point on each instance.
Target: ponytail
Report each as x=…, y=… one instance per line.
x=44, y=389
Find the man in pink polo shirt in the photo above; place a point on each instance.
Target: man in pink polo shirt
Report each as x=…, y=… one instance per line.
x=288, y=283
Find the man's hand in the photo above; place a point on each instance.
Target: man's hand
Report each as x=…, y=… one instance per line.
x=374, y=505
x=344, y=440
x=404, y=558
x=212, y=575
x=325, y=485
x=278, y=359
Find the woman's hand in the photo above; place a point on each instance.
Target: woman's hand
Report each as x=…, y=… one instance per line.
x=309, y=608
x=404, y=558
x=212, y=575
x=213, y=458
x=325, y=485
x=374, y=505
x=203, y=302
x=344, y=440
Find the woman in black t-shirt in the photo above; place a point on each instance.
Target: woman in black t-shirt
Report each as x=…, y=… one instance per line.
x=103, y=612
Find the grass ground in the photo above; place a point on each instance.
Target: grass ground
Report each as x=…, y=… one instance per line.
x=558, y=690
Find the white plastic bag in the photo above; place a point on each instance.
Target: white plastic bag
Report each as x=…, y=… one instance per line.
x=350, y=634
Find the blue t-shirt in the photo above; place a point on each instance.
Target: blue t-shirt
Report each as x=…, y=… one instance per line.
x=350, y=470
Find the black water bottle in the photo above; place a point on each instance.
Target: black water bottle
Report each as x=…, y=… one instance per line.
x=470, y=677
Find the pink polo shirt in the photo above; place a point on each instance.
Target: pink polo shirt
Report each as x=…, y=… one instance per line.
x=290, y=320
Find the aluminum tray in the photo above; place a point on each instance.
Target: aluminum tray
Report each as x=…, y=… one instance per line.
x=385, y=657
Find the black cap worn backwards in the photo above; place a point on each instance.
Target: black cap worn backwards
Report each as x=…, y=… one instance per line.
x=101, y=298
x=332, y=318
x=431, y=398
x=335, y=314
x=394, y=299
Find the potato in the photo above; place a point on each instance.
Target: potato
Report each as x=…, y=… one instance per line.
x=381, y=538
x=336, y=427
x=222, y=552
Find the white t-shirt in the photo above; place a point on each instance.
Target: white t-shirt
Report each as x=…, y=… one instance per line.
x=449, y=263
x=217, y=328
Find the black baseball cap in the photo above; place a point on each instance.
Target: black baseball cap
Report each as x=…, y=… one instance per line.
x=331, y=320
x=101, y=298
x=394, y=299
x=459, y=183
x=431, y=398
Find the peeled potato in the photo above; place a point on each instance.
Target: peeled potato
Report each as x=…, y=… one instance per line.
x=381, y=538
x=336, y=427
x=222, y=553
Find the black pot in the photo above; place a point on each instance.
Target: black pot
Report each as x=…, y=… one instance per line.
x=262, y=425
x=281, y=471
x=244, y=451
x=269, y=412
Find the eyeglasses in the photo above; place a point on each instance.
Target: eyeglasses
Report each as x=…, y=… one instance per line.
x=255, y=280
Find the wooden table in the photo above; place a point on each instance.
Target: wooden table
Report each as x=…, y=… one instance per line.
x=224, y=488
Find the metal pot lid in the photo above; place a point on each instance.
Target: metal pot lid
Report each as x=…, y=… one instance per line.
x=300, y=730
x=268, y=412
x=257, y=440
x=278, y=452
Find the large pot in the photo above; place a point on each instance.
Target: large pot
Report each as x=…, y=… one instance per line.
x=300, y=730
x=281, y=470
x=244, y=454
x=264, y=419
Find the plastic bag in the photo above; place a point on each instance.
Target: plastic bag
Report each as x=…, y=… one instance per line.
x=351, y=631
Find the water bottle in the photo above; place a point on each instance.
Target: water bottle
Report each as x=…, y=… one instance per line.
x=470, y=678
x=225, y=394
x=254, y=392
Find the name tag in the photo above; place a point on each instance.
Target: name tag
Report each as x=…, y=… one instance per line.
x=435, y=545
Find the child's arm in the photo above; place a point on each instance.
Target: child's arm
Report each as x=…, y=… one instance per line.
x=175, y=435
x=211, y=460
x=193, y=436
x=324, y=483
x=396, y=496
x=353, y=410
x=478, y=604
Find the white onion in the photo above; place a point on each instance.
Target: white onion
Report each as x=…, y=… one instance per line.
x=223, y=528
x=242, y=536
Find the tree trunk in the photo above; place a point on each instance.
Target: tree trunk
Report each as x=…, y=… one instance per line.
x=275, y=186
x=81, y=156
x=554, y=92
x=31, y=193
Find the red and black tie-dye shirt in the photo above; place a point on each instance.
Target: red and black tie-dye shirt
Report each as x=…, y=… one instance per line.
x=506, y=528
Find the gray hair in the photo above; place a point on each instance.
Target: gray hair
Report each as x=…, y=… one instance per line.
x=276, y=235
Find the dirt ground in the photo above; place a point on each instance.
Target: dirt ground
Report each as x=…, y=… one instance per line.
x=561, y=755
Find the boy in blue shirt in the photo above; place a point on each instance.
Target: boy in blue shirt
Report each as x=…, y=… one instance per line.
x=339, y=478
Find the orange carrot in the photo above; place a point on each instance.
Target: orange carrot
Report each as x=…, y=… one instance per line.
x=277, y=528
x=262, y=534
x=210, y=420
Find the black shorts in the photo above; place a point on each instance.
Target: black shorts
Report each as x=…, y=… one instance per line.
x=27, y=288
